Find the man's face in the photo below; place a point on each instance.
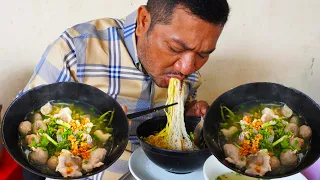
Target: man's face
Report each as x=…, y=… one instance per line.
x=177, y=49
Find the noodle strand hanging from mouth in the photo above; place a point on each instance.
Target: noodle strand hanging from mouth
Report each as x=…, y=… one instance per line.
x=174, y=136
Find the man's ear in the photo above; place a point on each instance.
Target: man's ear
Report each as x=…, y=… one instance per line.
x=143, y=21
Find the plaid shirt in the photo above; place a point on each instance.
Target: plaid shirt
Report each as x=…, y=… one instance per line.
x=102, y=53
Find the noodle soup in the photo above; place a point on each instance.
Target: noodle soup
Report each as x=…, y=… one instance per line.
x=264, y=138
x=69, y=139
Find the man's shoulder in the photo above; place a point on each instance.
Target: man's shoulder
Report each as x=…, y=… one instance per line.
x=195, y=78
x=96, y=26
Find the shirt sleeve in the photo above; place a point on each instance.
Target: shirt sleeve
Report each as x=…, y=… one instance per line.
x=195, y=81
x=56, y=65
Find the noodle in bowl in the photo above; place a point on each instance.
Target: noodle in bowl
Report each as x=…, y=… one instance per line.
x=174, y=161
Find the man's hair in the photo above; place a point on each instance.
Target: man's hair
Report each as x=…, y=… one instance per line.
x=212, y=11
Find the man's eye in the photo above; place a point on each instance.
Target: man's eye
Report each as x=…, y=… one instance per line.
x=174, y=50
x=201, y=56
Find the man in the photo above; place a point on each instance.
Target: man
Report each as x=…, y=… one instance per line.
x=133, y=60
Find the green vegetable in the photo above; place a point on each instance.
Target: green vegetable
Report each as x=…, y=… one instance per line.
x=191, y=137
x=104, y=115
x=279, y=140
x=284, y=150
x=265, y=144
x=270, y=123
x=79, y=134
x=285, y=143
x=33, y=144
x=111, y=118
x=41, y=131
x=95, y=137
x=66, y=133
x=52, y=128
x=237, y=145
x=51, y=149
x=289, y=133
x=279, y=130
x=230, y=115
x=224, y=125
x=236, y=134
x=65, y=144
x=109, y=130
x=44, y=141
x=92, y=149
x=50, y=139
x=60, y=122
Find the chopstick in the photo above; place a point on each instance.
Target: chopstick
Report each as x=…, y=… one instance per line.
x=125, y=176
x=142, y=113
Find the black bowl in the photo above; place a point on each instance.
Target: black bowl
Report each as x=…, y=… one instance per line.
x=66, y=92
x=180, y=162
x=264, y=92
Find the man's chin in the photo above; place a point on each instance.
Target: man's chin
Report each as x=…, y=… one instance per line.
x=162, y=83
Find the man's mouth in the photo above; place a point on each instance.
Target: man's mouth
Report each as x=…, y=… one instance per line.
x=180, y=77
x=169, y=76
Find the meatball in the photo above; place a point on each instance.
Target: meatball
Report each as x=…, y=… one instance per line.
x=296, y=142
x=38, y=156
x=32, y=138
x=36, y=116
x=25, y=127
x=286, y=111
x=294, y=120
x=288, y=158
x=274, y=163
x=39, y=125
x=291, y=127
x=53, y=162
x=305, y=132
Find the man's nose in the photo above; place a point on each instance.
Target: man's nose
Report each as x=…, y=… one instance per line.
x=188, y=64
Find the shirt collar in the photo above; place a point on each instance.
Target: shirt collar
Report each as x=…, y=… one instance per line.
x=129, y=34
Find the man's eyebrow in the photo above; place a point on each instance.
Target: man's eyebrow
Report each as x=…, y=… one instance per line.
x=186, y=47
x=182, y=44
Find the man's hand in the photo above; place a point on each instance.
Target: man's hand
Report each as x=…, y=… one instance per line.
x=125, y=109
x=197, y=108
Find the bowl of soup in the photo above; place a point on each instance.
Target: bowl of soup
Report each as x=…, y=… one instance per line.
x=263, y=130
x=65, y=130
x=174, y=161
x=169, y=141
